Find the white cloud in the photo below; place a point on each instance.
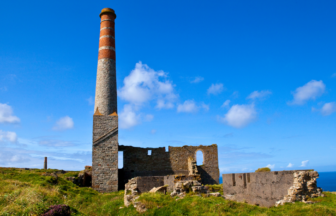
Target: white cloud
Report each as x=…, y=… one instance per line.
x=215, y=88
x=197, y=79
x=143, y=84
x=8, y=136
x=128, y=118
x=153, y=131
x=304, y=163
x=205, y=107
x=55, y=143
x=64, y=123
x=290, y=165
x=6, y=114
x=90, y=100
x=149, y=117
x=239, y=115
x=311, y=90
x=226, y=103
x=188, y=106
x=328, y=108
x=259, y=94
x=271, y=166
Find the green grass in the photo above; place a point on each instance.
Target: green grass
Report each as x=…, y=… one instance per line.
x=27, y=192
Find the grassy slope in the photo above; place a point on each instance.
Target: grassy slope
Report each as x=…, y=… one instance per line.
x=27, y=192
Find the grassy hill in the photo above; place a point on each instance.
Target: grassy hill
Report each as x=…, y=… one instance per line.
x=28, y=192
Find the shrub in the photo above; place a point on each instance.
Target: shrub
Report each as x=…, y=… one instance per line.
x=58, y=210
x=264, y=169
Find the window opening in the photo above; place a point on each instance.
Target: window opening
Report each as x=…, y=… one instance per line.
x=149, y=152
x=120, y=159
x=199, y=158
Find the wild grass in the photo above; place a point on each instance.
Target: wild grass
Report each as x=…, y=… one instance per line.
x=27, y=192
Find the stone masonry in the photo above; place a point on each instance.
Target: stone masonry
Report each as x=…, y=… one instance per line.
x=270, y=188
x=105, y=153
x=137, y=162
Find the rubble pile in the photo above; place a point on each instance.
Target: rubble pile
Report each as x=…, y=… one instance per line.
x=304, y=187
x=183, y=187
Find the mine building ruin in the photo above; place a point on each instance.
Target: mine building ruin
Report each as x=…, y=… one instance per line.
x=179, y=162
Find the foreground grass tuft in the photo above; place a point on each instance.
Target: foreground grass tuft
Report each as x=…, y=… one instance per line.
x=28, y=192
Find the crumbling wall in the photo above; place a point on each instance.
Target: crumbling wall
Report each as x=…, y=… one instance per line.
x=137, y=162
x=263, y=188
x=105, y=153
x=209, y=170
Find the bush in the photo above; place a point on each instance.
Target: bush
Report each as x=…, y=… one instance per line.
x=58, y=210
x=264, y=169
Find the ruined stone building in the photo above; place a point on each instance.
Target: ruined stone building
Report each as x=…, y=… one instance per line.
x=106, y=176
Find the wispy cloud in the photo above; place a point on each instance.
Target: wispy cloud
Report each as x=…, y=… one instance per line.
x=290, y=165
x=64, y=123
x=271, y=166
x=128, y=118
x=6, y=114
x=8, y=136
x=90, y=100
x=309, y=91
x=304, y=163
x=259, y=94
x=328, y=108
x=55, y=143
x=153, y=131
x=149, y=117
x=239, y=116
x=226, y=103
x=197, y=79
x=215, y=89
x=190, y=106
x=334, y=75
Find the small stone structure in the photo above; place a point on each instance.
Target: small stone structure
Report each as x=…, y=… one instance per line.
x=271, y=188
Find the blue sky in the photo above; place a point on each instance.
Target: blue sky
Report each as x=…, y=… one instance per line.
x=256, y=78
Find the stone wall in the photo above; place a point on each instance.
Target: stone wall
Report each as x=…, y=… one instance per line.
x=105, y=153
x=137, y=162
x=262, y=188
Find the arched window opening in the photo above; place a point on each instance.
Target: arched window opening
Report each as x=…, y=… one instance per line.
x=120, y=159
x=199, y=158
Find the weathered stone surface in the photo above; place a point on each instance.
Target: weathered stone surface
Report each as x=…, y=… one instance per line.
x=184, y=186
x=137, y=162
x=304, y=186
x=162, y=189
x=105, y=153
x=217, y=194
x=106, y=87
x=267, y=188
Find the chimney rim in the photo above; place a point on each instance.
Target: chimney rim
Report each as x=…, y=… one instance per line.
x=107, y=11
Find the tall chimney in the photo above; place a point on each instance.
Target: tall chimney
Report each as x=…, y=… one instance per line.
x=45, y=163
x=105, y=119
x=106, y=86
